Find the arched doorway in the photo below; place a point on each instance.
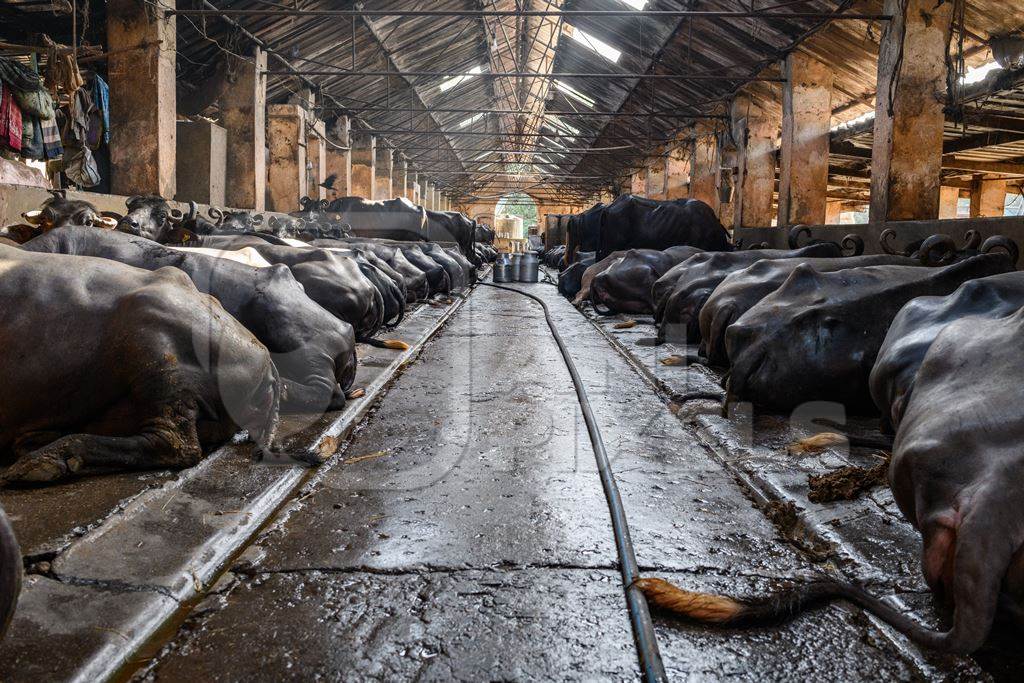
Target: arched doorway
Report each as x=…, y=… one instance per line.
x=522, y=205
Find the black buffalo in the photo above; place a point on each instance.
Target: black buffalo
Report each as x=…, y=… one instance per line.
x=741, y=290
x=313, y=350
x=625, y=285
x=452, y=226
x=397, y=219
x=632, y=222
x=679, y=295
x=917, y=325
x=110, y=367
x=58, y=211
x=816, y=337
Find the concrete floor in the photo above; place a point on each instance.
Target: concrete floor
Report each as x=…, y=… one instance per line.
x=463, y=535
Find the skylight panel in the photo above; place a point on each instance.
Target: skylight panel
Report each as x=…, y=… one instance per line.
x=481, y=156
x=471, y=120
x=565, y=127
x=636, y=4
x=456, y=80
x=596, y=44
x=575, y=94
x=976, y=74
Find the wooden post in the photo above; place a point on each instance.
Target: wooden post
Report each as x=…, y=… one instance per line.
x=384, y=171
x=286, y=176
x=833, y=210
x=949, y=201
x=906, y=161
x=988, y=198
x=704, y=166
x=143, y=108
x=316, y=153
x=243, y=114
x=364, y=165
x=339, y=158
x=755, y=131
x=656, y=178
x=806, y=120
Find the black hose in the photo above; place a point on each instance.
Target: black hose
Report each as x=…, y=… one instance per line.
x=639, y=615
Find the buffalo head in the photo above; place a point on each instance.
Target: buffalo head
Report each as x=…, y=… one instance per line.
x=58, y=212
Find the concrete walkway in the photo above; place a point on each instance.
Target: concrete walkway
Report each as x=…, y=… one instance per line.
x=465, y=536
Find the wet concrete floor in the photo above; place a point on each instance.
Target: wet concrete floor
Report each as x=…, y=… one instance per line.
x=465, y=536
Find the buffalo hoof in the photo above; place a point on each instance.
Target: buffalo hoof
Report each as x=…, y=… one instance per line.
x=40, y=468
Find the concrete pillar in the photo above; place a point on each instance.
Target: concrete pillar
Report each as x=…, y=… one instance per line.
x=316, y=159
x=428, y=195
x=364, y=165
x=656, y=178
x=383, y=172
x=143, y=108
x=400, y=178
x=201, y=160
x=243, y=108
x=638, y=183
x=803, y=160
x=906, y=161
x=704, y=166
x=677, y=173
x=412, y=187
x=286, y=176
x=988, y=198
x=755, y=131
x=339, y=158
x=949, y=200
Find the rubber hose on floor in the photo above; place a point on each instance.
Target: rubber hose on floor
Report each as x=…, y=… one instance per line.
x=639, y=615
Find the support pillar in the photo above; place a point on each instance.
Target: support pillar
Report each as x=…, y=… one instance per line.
x=286, y=176
x=143, y=107
x=383, y=172
x=704, y=166
x=806, y=121
x=364, y=165
x=202, y=154
x=428, y=195
x=754, y=131
x=316, y=156
x=988, y=198
x=339, y=158
x=412, y=188
x=656, y=178
x=638, y=183
x=400, y=179
x=949, y=201
x=677, y=174
x=833, y=212
x=243, y=112
x=906, y=161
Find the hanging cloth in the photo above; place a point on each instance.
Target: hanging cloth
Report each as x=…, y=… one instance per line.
x=18, y=76
x=10, y=120
x=101, y=98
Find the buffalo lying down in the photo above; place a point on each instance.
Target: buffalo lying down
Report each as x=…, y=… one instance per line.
x=111, y=367
x=816, y=337
x=625, y=285
x=313, y=350
x=742, y=289
x=679, y=295
x=917, y=325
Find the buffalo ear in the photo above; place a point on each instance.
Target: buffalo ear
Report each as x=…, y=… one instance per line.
x=108, y=222
x=34, y=217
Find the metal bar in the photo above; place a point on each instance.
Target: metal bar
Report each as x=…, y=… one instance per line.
x=491, y=133
x=589, y=114
x=522, y=74
x=565, y=14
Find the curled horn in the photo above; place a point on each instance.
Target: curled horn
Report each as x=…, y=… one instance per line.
x=1002, y=242
x=738, y=244
x=936, y=249
x=972, y=238
x=885, y=241
x=216, y=214
x=757, y=245
x=852, y=245
x=796, y=233
x=63, y=194
x=307, y=203
x=257, y=219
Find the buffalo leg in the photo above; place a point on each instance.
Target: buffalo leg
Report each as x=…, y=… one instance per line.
x=170, y=440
